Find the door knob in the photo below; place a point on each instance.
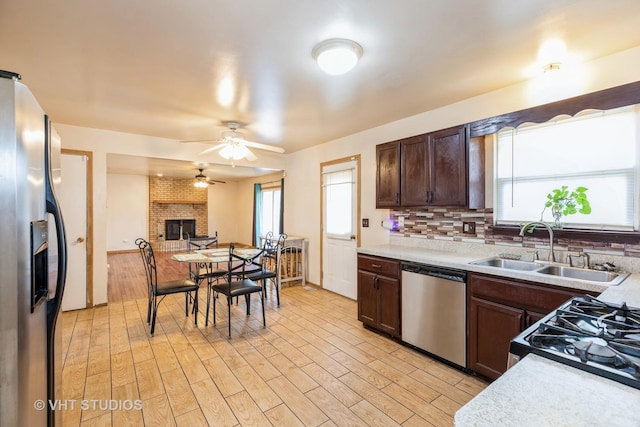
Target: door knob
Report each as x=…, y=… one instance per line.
x=80, y=240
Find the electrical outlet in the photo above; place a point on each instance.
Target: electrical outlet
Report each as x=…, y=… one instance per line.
x=468, y=227
x=365, y=222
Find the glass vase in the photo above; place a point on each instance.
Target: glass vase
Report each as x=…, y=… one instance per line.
x=557, y=216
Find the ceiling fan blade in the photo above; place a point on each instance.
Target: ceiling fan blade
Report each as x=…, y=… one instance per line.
x=250, y=156
x=215, y=147
x=263, y=146
x=202, y=140
x=216, y=181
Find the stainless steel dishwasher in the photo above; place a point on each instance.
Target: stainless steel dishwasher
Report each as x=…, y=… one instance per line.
x=434, y=315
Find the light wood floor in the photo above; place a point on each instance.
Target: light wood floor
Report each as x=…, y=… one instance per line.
x=313, y=365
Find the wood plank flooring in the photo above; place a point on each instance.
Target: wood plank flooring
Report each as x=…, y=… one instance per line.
x=313, y=365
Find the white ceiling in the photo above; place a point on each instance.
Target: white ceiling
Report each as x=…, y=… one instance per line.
x=155, y=67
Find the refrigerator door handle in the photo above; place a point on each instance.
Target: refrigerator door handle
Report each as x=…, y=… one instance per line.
x=53, y=209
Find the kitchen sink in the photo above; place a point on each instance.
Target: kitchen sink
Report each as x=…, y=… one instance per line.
x=509, y=264
x=607, y=277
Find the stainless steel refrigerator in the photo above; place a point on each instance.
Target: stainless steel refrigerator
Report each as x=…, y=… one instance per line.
x=32, y=260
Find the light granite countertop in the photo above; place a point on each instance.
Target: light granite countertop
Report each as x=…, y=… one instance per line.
x=537, y=391
x=540, y=392
x=629, y=290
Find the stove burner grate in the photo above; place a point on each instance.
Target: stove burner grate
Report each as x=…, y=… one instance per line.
x=591, y=335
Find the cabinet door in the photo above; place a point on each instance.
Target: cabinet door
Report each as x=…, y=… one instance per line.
x=388, y=175
x=447, y=156
x=415, y=171
x=389, y=305
x=492, y=326
x=367, y=298
x=532, y=317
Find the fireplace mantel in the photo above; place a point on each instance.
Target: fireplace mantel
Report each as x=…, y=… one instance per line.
x=180, y=202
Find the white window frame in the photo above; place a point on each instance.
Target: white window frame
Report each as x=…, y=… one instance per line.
x=628, y=174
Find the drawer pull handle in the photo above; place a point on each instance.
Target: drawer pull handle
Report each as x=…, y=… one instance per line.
x=376, y=265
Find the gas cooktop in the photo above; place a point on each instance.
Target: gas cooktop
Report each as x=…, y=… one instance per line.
x=589, y=334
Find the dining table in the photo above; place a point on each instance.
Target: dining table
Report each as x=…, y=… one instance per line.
x=201, y=265
x=206, y=258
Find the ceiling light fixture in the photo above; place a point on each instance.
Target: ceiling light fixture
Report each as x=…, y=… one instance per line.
x=552, y=54
x=201, y=180
x=234, y=150
x=337, y=56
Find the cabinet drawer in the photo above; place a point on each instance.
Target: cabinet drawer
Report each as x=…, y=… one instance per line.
x=383, y=266
x=521, y=294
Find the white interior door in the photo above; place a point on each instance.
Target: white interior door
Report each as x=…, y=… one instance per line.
x=73, y=203
x=340, y=227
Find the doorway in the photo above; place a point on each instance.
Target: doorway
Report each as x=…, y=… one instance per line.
x=340, y=230
x=75, y=198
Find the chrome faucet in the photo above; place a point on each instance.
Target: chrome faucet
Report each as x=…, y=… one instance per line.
x=552, y=256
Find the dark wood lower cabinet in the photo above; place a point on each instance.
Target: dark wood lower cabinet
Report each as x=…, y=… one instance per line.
x=379, y=294
x=495, y=325
x=498, y=310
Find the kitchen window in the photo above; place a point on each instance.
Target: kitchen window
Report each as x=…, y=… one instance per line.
x=594, y=149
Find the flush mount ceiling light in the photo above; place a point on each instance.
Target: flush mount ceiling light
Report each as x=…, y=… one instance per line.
x=337, y=56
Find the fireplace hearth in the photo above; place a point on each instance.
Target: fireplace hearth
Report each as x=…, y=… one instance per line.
x=179, y=229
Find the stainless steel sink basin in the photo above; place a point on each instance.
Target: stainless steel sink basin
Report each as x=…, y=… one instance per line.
x=536, y=267
x=607, y=277
x=509, y=264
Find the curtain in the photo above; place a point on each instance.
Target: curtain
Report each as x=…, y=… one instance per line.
x=282, y=205
x=257, y=214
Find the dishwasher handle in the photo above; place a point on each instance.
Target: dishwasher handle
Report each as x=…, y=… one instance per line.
x=434, y=271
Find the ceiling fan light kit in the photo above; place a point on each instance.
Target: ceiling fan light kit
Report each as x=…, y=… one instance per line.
x=233, y=145
x=337, y=56
x=202, y=181
x=234, y=151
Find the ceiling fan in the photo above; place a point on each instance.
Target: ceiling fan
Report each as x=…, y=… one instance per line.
x=234, y=146
x=202, y=181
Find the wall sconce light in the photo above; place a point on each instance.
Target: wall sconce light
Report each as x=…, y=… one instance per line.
x=337, y=56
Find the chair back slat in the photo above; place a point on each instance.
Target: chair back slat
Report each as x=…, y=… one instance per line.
x=149, y=261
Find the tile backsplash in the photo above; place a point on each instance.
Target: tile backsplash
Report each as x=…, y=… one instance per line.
x=440, y=225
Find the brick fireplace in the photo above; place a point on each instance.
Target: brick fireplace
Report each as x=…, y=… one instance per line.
x=175, y=199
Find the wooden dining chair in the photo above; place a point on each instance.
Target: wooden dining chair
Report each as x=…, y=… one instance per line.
x=158, y=290
x=237, y=284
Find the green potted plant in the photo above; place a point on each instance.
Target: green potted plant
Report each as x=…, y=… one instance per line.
x=564, y=202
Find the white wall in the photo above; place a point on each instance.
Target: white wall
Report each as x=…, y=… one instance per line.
x=223, y=211
x=302, y=200
x=127, y=210
x=302, y=184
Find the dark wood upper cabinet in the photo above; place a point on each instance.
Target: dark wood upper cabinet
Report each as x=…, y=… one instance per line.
x=388, y=175
x=414, y=171
x=448, y=167
x=433, y=169
x=442, y=168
